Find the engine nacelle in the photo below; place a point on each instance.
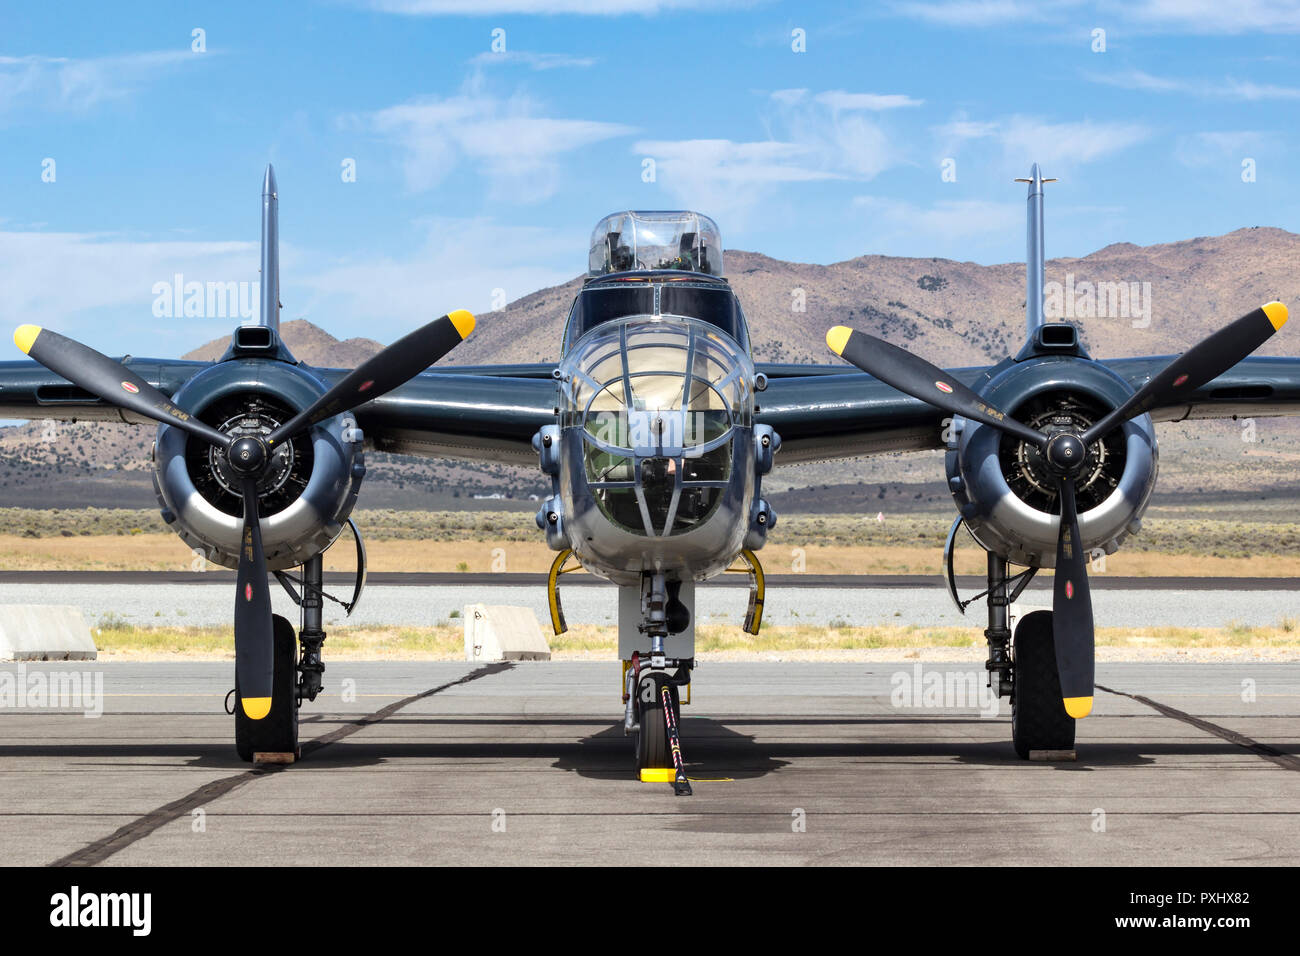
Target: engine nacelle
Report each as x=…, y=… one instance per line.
x=305, y=498
x=1001, y=484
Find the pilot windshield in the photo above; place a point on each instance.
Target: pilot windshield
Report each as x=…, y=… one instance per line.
x=711, y=302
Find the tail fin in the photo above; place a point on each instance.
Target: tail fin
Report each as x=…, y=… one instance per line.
x=1035, y=264
x=270, y=251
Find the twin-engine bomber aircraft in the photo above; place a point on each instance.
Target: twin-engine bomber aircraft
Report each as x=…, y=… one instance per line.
x=656, y=428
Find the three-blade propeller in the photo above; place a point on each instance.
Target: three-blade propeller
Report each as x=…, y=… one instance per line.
x=249, y=456
x=1066, y=454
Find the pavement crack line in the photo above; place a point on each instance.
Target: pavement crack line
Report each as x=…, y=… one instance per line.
x=1283, y=760
x=129, y=833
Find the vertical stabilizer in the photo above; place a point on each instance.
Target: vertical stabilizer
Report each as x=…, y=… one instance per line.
x=1035, y=263
x=271, y=251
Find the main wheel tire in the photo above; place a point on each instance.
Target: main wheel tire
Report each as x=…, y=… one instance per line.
x=277, y=732
x=1038, y=717
x=652, y=746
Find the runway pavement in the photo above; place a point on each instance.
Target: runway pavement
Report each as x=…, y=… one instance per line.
x=526, y=763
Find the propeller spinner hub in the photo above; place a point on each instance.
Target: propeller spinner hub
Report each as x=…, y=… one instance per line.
x=1066, y=453
x=247, y=456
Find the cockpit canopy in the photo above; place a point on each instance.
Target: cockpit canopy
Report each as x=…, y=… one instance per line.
x=646, y=241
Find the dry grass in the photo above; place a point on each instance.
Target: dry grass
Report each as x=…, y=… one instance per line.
x=446, y=642
x=1191, y=542
x=165, y=552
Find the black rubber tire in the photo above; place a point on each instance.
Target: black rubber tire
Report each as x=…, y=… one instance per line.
x=1038, y=717
x=652, y=747
x=277, y=732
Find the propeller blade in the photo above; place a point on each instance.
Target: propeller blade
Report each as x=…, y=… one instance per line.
x=112, y=381
x=915, y=376
x=383, y=372
x=254, y=646
x=1202, y=363
x=1072, y=627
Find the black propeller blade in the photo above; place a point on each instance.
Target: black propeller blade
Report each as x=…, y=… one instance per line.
x=254, y=647
x=913, y=375
x=112, y=381
x=1202, y=363
x=1072, y=625
x=381, y=373
x=248, y=456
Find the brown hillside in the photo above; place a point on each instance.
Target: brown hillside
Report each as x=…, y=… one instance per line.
x=955, y=313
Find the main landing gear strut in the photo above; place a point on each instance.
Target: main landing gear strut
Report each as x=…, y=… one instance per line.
x=299, y=667
x=1023, y=666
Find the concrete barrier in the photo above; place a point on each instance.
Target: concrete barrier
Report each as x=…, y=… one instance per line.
x=44, y=632
x=499, y=633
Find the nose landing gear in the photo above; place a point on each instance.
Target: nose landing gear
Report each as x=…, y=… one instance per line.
x=659, y=609
x=653, y=715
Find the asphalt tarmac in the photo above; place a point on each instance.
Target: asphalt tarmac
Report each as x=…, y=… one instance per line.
x=527, y=763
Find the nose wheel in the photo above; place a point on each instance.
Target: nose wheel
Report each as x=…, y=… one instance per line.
x=652, y=748
x=658, y=742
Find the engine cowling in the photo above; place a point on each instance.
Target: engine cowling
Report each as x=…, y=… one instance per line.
x=305, y=500
x=1000, y=483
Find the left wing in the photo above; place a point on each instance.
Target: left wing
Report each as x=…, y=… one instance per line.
x=481, y=413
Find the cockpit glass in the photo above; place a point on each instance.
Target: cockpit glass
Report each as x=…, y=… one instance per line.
x=657, y=403
x=636, y=241
x=711, y=304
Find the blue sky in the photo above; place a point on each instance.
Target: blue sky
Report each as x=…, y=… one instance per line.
x=479, y=171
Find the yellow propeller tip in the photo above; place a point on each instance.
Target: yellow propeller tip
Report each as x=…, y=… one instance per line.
x=1078, y=707
x=255, y=708
x=1277, y=314
x=464, y=322
x=838, y=338
x=25, y=335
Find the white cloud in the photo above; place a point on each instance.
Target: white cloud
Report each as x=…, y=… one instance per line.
x=1214, y=16
x=71, y=281
x=1247, y=90
x=1025, y=139
x=513, y=145
x=460, y=264
x=534, y=61
x=957, y=132
x=726, y=179
x=1208, y=17
x=65, y=84
x=1229, y=88
x=822, y=136
x=840, y=100
x=99, y=288
x=604, y=8
x=952, y=219
x=739, y=164
x=1225, y=148
x=836, y=130
x=968, y=13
